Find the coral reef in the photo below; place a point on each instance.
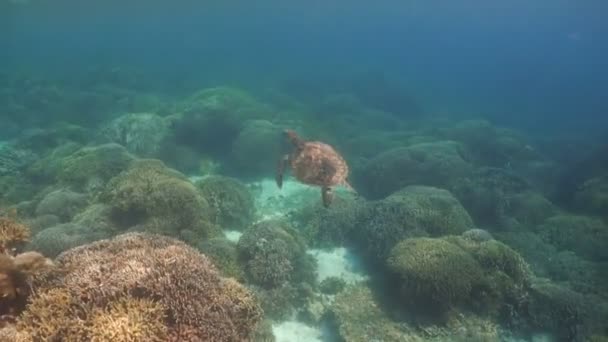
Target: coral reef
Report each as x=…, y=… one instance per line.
x=16, y=269
x=438, y=164
x=434, y=271
x=444, y=273
x=256, y=149
x=212, y=118
x=12, y=233
x=151, y=197
x=583, y=235
x=230, y=201
x=89, y=168
x=224, y=255
x=274, y=254
x=410, y=212
x=148, y=287
x=140, y=133
x=592, y=196
x=62, y=203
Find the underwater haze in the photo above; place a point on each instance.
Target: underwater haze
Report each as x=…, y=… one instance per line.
x=540, y=65
x=304, y=171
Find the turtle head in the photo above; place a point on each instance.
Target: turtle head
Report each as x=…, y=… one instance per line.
x=293, y=137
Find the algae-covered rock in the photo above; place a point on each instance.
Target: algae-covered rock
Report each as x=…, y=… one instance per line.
x=438, y=164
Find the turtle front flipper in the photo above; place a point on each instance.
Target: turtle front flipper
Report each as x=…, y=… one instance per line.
x=328, y=196
x=282, y=164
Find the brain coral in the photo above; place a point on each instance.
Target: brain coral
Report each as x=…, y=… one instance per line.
x=135, y=280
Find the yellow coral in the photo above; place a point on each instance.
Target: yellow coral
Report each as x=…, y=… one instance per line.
x=53, y=316
x=128, y=320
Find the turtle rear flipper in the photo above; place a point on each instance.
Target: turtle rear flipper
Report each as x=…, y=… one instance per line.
x=281, y=165
x=328, y=196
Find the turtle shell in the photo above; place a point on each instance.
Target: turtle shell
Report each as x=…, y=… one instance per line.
x=317, y=163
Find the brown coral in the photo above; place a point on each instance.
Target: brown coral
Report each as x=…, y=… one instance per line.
x=53, y=316
x=14, y=275
x=199, y=302
x=12, y=233
x=128, y=320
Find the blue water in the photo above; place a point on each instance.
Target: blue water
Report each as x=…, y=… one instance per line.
x=541, y=66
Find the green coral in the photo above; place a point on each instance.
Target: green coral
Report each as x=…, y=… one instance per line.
x=212, y=119
x=439, y=164
x=224, y=255
x=434, y=271
x=229, y=199
x=274, y=254
x=586, y=236
x=413, y=211
x=152, y=197
x=359, y=318
x=91, y=167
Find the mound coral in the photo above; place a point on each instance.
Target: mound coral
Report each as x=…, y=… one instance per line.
x=586, y=236
x=229, y=199
x=89, y=168
x=140, y=133
x=434, y=271
x=453, y=271
x=256, y=136
x=63, y=203
x=438, y=164
x=147, y=287
x=274, y=254
x=410, y=212
x=151, y=197
x=212, y=118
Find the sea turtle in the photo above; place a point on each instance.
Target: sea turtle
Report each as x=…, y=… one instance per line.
x=314, y=163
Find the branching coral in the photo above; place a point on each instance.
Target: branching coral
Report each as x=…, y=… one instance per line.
x=197, y=301
x=12, y=233
x=127, y=320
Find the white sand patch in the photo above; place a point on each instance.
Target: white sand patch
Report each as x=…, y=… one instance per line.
x=272, y=202
x=293, y=331
x=338, y=262
x=233, y=235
